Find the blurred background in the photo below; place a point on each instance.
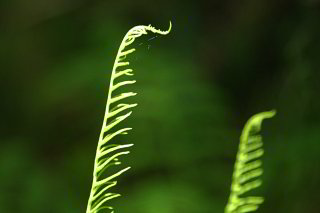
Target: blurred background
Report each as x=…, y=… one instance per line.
x=222, y=62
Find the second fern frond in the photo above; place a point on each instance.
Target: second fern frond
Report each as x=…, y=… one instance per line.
x=247, y=169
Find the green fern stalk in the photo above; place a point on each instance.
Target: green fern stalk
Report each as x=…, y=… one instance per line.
x=247, y=169
x=107, y=154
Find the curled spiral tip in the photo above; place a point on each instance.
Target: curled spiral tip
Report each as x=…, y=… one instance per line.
x=154, y=30
x=170, y=25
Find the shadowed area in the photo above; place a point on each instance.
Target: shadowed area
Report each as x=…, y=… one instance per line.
x=222, y=62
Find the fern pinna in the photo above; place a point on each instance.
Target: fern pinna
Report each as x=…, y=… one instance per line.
x=247, y=169
x=107, y=154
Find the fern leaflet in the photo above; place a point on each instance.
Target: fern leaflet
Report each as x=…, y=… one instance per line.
x=247, y=169
x=107, y=154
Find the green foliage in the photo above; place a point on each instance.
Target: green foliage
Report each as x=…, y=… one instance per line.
x=225, y=61
x=247, y=169
x=107, y=154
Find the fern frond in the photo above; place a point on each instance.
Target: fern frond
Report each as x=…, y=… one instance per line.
x=247, y=169
x=107, y=154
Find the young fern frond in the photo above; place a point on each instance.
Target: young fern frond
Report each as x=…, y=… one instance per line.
x=247, y=169
x=107, y=154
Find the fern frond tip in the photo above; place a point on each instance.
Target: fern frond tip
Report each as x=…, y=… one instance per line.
x=254, y=123
x=154, y=30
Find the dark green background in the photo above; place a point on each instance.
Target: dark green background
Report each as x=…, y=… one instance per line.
x=223, y=62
